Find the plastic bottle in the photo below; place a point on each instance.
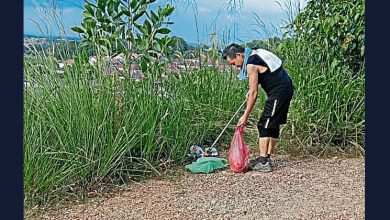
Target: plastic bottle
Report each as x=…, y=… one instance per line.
x=196, y=150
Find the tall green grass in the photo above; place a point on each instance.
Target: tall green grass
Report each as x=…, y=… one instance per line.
x=327, y=112
x=84, y=126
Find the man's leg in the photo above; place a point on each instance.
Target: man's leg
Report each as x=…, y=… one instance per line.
x=265, y=134
x=263, y=146
x=271, y=148
x=262, y=162
x=273, y=141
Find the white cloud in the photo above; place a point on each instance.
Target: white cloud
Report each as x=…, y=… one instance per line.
x=262, y=6
x=214, y=4
x=68, y=17
x=204, y=10
x=271, y=7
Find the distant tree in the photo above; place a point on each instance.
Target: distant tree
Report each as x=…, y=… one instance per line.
x=256, y=43
x=205, y=46
x=268, y=44
x=180, y=44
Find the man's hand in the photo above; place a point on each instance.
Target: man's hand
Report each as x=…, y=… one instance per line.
x=242, y=122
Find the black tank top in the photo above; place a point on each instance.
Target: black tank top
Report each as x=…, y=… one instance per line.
x=277, y=83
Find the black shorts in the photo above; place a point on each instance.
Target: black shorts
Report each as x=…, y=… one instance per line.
x=274, y=113
x=269, y=132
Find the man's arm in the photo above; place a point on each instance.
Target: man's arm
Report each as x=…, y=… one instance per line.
x=251, y=95
x=257, y=69
x=253, y=89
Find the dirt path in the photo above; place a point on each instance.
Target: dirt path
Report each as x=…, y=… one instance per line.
x=297, y=189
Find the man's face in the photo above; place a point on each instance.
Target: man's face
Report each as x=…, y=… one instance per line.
x=238, y=61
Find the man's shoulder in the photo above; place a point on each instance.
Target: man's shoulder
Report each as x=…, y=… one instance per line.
x=254, y=59
x=253, y=56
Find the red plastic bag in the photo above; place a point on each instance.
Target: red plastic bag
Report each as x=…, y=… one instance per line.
x=238, y=154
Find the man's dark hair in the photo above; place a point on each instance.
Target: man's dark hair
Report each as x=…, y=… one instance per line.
x=232, y=50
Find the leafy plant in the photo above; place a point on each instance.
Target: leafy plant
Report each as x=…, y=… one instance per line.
x=126, y=26
x=335, y=31
x=325, y=57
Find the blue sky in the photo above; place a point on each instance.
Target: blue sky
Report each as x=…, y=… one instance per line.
x=70, y=14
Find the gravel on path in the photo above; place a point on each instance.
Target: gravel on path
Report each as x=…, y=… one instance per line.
x=296, y=189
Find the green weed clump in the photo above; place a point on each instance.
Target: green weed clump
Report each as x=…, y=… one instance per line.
x=83, y=126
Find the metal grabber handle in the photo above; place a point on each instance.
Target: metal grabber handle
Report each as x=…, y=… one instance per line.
x=228, y=124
